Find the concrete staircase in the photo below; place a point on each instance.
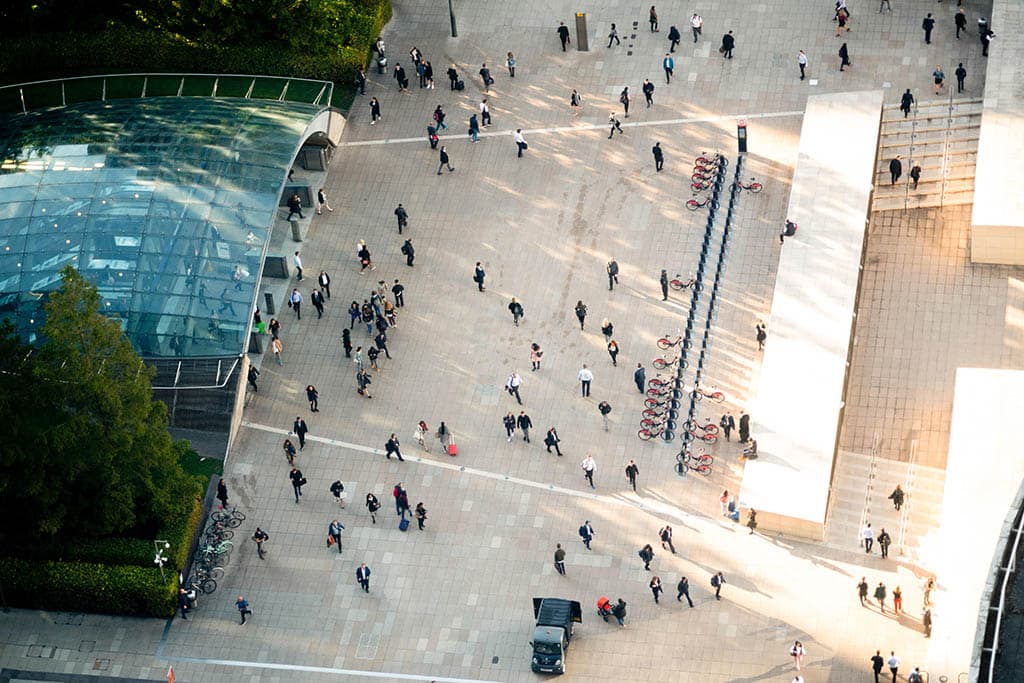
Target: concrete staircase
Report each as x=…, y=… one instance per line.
x=941, y=135
x=860, y=491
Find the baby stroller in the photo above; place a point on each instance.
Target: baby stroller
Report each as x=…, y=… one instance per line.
x=604, y=607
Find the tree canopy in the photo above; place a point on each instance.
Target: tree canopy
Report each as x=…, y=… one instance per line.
x=87, y=450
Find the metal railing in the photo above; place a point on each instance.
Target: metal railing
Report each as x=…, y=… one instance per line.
x=61, y=92
x=908, y=483
x=998, y=607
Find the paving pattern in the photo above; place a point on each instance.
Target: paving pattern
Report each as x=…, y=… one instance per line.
x=453, y=602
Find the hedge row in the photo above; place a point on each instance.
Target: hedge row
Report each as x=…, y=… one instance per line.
x=83, y=587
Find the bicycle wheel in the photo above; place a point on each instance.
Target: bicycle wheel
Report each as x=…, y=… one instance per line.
x=657, y=392
x=651, y=414
x=233, y=523
x=220, y=516
x=700, y=187
x=207, y=585
x=668, y=435
x=677, y=284
x=201, y=573
x=755, y=187
x=652, y=403
x=703, y=459
x=693, y=204
x=711, y=428
x=655, y=382
x=645, y=435
x=696, y=395
x=717, y=396
x=664, y=344
x=661, y=363
x=240, y=516
x=702, y=469
x=707, y=437
x=651, y=424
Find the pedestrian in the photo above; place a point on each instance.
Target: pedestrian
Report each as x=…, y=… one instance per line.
x=525, y=424
x=868, y=536
x=761, y=334
x=375, y=115
x=334, y=530
x=397, y=493
x=801, y=61
x=372, y=505
x=614, y=125
x=421, y=71
x=696, y=24
x=663, y=280
x=877, y=663
x=897, y=599
x=445, y=161
x=516, y=309
x=317, y=298
x=399, y=75
x=222, y=493
x=559, y=559
x=717, y=581
x=453, y=76
x=915, y=676
x=613, y=351
x=398, y=291
x=300, y=429
x=752, y=520
x=354, y=314
x=381, y=341
x=897, y=497
x=894, y=664
x=510, y=62
x=723, y=502
x=986, y=38
x=883, y=542
x=619, y=612
x=666, y=537
x=186, y=598
x=485, y=76
x=416, y=55
x=581, y=312
x=880, y=593
x=683, y=589
x=535, y=356
x=926, y=620
x=588, y=465
x=393, y=446
x=928, y=24
x=585, y=376
x=625, y=98
x=363, y=577
x=242, y=605
x=410, y=255
x=439, y=116
x=485, y=113
x=509, y=421
x=337, y=489
x=512, y=385
x=727, y=423
x=361, y=80
x=844, y=57
x=886, y=5
x=862, y=590
x=960, y=19
x=939, y=77
x=295, y=303
x=324, y=280
x=403, y=217
x=420, y=514
x=251, y=376
x=895, y=168
x=294, y=206
x=478, y=276
x=575, y=102
x=551, y=439
x=607, y=329
x=744, y=428
x=563, y=34
x=648, y=91
x=321, y=202
x=673, y=38
x=363, y=383
x=728, y=44
x=915, y=174
x=365, y=260
x=797, y=652
x=604, y=408
x=982, y=27
x=669, y=65
x=298, y=481
x=961, y=74
x=586, y=533
x=906, y=101
x=843, y=17
x=432, y=137
x=613, y=35
x=289, y=451
x=653, y=20
x=656, y=588
x=631, y=474
x=313, y=396
x=646, y=555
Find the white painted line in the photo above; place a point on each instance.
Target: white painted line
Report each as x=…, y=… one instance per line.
x=653, y=506
x=323, y=670
x=583, y=127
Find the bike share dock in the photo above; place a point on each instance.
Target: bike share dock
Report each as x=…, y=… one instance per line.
x=797, y=408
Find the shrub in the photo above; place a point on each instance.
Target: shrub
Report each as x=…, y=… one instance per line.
x=84, y=587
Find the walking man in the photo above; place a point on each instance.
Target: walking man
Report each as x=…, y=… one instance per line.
x=961, y=74
x=895, y=168
x=614, y=125
x=648, y=90
x=516, y=309
x=398, y=291
x=295, y=303
x=666, y=537
x=894, y=664
x=880, y=594
x=656, y=588
x=625, y=99
x=668, y=64
x=563, y=34
x=525, y=424
x=297, y=482
x=363, y=577
x=613, y=274
x=801, y=61
x=613, y=35
x=696, y=23
x=297, y=260
x=520, y=142
x=485, y=76
x=928, y=24
x=862, y=592
x=717, y=581
x=659, y=163
x=588, y=466
x=663, y=280
x=581, y=312
x=877, y=663
x=324, y=280
x=653, y=20
x=318, y=302
x=683, y=589
x=631, y=473
x=673, y=38
x=727, y=424
x=403, y=218
x=485, y=113
x=559, y=559
x=478, y=276
x=242, y=605
x=409, y=251
x=883, y=542
x=445, y=161
x=512, y=385
x=300, y=429
x=551, y=439
x=844, y=57
x=334, y=531
x=906, y=102
x=728, y=43
x=587, y=533
x=392, y=446
x=960, y=18
x=868, y=535
x=585, y=376
x=259, y=537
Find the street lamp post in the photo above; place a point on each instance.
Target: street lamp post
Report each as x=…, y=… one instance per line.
x=451, y=13
x=160, y=559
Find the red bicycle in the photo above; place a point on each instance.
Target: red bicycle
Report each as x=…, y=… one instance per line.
x=710, y=427
x=753, y=187
x=714, y=395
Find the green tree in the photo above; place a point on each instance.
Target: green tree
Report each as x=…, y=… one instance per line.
x=91, y=453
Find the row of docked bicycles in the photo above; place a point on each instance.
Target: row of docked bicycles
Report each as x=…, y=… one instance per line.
x=705, y=170
x=214, y=550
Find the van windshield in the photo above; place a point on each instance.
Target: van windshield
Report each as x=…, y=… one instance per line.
x=547, y=648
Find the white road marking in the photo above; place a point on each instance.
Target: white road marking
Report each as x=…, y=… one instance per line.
x=324, y=670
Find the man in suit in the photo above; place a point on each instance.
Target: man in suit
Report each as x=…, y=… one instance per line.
x=300, y=429
x=363, y=577
x=318, y=302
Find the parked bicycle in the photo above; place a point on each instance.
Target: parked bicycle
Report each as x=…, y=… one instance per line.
x=677, y=283
x=707, y=437
x=700, y=463
x=652, y=402
x=646, y=434
x=232, y=518
x=713, y=395
x=693, y=204
x=709, y=426
x=705, y=160
x=662, y=363
x=753, y=187
x=665, y=343
x=205, y=581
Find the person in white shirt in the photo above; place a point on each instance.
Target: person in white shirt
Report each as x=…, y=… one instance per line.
x=696, y=22
x=585, y=376
x=520, y=141
x=869, y=537
x=588, y=465
x=485, y=113
x=298, y=266
x=894, y=664
x=512, y=386
x=801, y=61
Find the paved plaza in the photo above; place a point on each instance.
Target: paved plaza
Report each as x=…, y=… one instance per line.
x=453, y=602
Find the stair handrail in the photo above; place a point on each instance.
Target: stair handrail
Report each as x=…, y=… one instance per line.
x=869, y=488
x=908, y=484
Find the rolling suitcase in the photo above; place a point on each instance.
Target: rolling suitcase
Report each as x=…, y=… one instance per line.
x=453, y=450
x=460, y=84
x=403, y=525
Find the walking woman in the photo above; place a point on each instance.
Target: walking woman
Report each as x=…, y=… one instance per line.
x=277, y=347
x=510, y=425
x=576, y=102
x=374, y=111
x=535, y=355
x=613, y=351
x=510, y=62
x=581, y=312
x=607, y=329
x=372, y=504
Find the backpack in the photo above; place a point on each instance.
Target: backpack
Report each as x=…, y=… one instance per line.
x=715, y=583
x=405, y=249
x=583, y=531
x=622, y=97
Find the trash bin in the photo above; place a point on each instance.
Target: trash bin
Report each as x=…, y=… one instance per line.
x=296, y=230
x=382, y=65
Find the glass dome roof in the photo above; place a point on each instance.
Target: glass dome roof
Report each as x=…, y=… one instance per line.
x=166, y=204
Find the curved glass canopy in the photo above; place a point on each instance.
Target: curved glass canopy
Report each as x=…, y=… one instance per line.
x=166, y=204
